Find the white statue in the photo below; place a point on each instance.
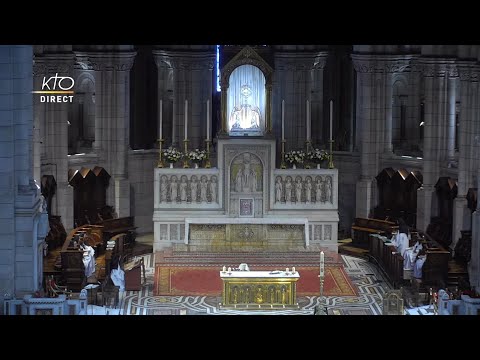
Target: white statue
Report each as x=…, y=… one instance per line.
x=163, y=188
x=213, y=189
x=253, y=178
x=308, y=190
x=183, y=189
x=194, y=188
x=278, y=190
x=239, y=181
x=328, y=189
x=288, y=189
x=173, y=189
x=298, y=190
x=318, y=190
x=203, y=190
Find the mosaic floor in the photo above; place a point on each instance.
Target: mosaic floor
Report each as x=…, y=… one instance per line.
x=370, y=282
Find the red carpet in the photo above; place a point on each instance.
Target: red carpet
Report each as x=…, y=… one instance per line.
x=182, y=280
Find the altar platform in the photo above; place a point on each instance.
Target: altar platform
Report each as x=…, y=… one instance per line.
x=260, y=290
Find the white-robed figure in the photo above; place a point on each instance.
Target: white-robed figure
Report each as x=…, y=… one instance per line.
x=88, y=257
x=410, y=256
x=400, y=240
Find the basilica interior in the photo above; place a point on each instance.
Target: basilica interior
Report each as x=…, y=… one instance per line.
x=239, y=179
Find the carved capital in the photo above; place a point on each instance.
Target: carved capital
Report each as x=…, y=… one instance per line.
x=49, y=65
x=112, y=62
x=437, y=69
x=468, y=72
x=363, y=66
x=397, y=67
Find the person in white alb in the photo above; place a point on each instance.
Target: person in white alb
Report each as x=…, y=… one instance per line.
x=400, y=240
x=88, y=257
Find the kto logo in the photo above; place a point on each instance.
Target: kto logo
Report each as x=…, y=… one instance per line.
x=59, y=85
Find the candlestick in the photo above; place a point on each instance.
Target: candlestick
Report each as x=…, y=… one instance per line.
x=160, y=121
x=208, y=165
x=283, y=120
x=293, y=269
x=330, y=157
x=208, y=119
x=185, y=158
x=331, y=119
x=160, y=161
x=186, y=119
x=283, y=165
x=309, y=124
x=322, y=263
x=224, y=269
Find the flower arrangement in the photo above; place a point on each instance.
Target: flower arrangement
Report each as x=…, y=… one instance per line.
x=295, y=157
x=317, y=156
x=197, y=156
x=172, y=155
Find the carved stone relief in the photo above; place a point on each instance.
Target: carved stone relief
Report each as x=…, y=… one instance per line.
x=189, y=189
x=246, y=174
x=303, y=189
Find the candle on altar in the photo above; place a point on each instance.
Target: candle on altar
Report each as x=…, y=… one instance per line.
x=293, y=269
x=208, y=119
x=283, y=120
x=309, y=124
x=229, y=269
x=186, y=118
x=287, y=270
x=322, y=263
x=331, y=119
x=160, y=115
x=224, y=269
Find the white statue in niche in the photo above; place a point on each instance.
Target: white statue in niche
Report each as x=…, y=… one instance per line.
x=328, y=189
x=298, y=189
x=183, y=188
x=239, y=181
x=203, y=189
x=163, y=188
x=318, y=189
x=288, y=189
x=173, y=189
x=213, y=189
x=278, y=189
x=308, y=189
x=194, y=188
x=246, y=178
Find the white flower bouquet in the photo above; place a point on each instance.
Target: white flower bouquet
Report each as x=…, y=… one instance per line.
x=317, y=156
x=295, y=157
x=197, y=156
x=172, y=155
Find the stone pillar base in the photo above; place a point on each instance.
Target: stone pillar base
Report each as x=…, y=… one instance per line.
x=424, y=207
x=364, y=198
x=473, y=265
x=461, y=219
x=122, y=197
x=64, y=201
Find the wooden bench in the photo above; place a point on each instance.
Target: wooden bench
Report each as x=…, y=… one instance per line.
x=363, y=227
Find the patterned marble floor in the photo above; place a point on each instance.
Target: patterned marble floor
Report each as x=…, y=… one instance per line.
x=370, y=282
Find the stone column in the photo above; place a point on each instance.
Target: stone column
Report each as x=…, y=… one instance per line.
x=112, y=115
x=365, y=119
x=54, y=118
x=317, y=118
x=474, y=265
x=22, y=220
x=461, y=216
x=388, y=113
x=451, y=117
